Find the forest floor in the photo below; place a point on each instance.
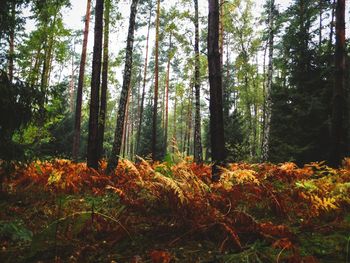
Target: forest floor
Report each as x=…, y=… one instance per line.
x=59, y=211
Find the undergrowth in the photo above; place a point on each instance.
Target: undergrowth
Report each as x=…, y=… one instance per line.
x=171, y=212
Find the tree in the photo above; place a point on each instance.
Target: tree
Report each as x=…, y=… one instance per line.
x=215, y=82
x=338, y=132
x=114, y=157
x=156, y=82
x=79, y=98
x=143, y=82
x=104, y=84
x=267, y=106
x=92, y=150
x=301, y=90
x=198, y=155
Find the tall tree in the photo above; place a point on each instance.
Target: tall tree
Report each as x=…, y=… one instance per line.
x=338, y=133
x=167, y=95
x=12, y=40
x=198, y=154
x=215, y=82
x=77, y=119
x=267, y=106
x=156, y=81
x=92, y=149
x=104, y=84
x=114, y=157
x=143, y=83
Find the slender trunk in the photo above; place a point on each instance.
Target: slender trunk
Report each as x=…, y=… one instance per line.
x=268, y=101
x=338, y=131
x=126, y=129
x=221, y=33
x=331, y=32
x=143, y=85
x=320, y=23
x=71, y=86
x=174, y=125
x=113, y=160
x=131, y=135
x=167, y=97
x=35, y=70
x=104, y=84
x=189, y=130
x=77, y=119
x=12, y=41
x=215, y=82
x=181, y=127
x=198, y=152
x=92, y=147
x=156, y=73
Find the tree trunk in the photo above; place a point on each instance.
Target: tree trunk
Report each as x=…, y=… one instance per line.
x=189, y=119
x=174, y=128
x=331, y=31
x=198, y=153
x=320, y=23
x=92, y=148
x=338, y=132
x=215, y=81
x=268, y=100
x=104, y=84
x=167, y=97
x=12, y=41
x=113, y=160
x=71, y=84
x=143, y=85
x=77, y=119
x=155, y=100
x=221, y=33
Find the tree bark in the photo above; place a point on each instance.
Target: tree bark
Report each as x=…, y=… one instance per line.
x=156, y=76
x=92, y=148
x=114, y=158
x=174, y=128
x=338, y=132
x=79, y=98
x=104, y=84
x=144, y=84
x=218, y=153
x=198, y=152
x=331, y=31
x=167, y=97
x=268, y=100
x=12, y=41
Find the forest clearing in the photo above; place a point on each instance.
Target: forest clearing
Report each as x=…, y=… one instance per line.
x=152, y=131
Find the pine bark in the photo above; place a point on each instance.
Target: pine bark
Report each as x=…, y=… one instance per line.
x=167, y=97
x=143, y=85
x=156, y=79
x=92, y=148
x=104, y=84
x=215, y=81
x=12, y=41
x=114, y=158
x=79, y=98
x=338, y=131
x=198, y=152
x=174, y=142
x=268, y=100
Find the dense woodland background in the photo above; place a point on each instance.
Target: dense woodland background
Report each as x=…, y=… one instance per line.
x=179, y=131
x=283, y=76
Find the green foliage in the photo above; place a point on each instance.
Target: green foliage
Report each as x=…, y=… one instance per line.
x=15, y=231
x=17, y=106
